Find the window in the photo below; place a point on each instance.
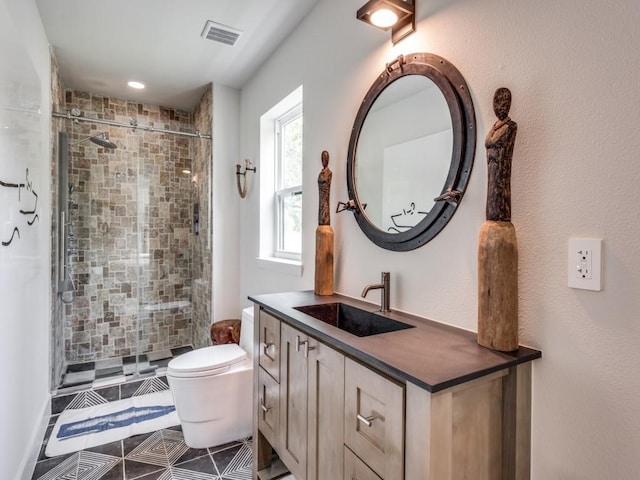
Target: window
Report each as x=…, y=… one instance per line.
x=288, y=188
x=281, y=145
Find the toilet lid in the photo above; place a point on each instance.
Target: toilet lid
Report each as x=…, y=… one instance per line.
x=203, y=360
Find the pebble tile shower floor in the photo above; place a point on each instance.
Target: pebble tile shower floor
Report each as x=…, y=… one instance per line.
x=160, y=455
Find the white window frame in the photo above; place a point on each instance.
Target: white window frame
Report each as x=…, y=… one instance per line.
x=280, y=193
x=268, y=143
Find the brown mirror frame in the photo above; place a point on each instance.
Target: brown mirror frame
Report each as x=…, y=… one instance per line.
x=454, y=88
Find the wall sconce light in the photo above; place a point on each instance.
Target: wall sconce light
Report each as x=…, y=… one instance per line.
x=399, y=15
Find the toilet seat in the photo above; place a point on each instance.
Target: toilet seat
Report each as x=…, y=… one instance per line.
x=206, y=361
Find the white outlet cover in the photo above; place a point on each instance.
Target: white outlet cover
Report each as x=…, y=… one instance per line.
x=585, y=263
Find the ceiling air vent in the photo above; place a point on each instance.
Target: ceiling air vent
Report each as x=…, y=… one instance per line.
x=220, y=33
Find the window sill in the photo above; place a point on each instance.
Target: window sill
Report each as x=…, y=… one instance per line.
x=281, y=265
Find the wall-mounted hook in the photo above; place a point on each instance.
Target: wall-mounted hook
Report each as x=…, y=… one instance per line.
x=451, y=196
x=248, y=167
x=349, y=205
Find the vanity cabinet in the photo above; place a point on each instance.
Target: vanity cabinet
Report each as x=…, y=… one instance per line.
x=374, y=420
x=267, y=377
x=268, y=406
x=335, y=406
x=269, y=342
x=293, y=401
x=356, y=469
x=325, y=387
x=304, y=424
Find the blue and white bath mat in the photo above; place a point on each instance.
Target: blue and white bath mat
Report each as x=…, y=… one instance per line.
x=108, y=422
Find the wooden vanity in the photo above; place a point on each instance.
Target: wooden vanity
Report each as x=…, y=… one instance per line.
x=421, y=403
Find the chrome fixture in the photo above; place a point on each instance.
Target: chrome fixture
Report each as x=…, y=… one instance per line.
x=76, y=115
x=99, y=139
x=384, y=285
x=397, y=15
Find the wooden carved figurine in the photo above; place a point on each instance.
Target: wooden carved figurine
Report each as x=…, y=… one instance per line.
x=324, y=187
x=499, y=144
x=324, y=233
x=497, y=245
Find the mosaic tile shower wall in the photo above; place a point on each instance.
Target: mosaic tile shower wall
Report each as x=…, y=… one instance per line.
x=132, y=222
x=202, y=258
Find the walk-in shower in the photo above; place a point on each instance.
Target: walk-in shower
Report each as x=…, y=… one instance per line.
x=133, y=275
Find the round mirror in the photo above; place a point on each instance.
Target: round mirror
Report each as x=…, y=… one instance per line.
x=411, y=151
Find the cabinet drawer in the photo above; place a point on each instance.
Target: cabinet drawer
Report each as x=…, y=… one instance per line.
x=269, y=346
x=374, y=420
x=356, y=469
x=268, y=407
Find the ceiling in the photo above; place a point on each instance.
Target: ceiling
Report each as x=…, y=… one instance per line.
x=102, y=44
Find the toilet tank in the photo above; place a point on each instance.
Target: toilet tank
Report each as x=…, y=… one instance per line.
x=246, y=331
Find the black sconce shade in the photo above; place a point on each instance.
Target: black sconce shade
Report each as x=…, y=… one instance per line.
x=404, y=10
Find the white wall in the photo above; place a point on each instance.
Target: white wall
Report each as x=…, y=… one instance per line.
x=226, y=203
x=25, y=263
x=573, y=68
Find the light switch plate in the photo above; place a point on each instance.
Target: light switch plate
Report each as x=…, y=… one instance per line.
x=585, y=263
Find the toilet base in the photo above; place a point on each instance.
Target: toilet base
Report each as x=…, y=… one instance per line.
x=214, y=432
x=215, y=409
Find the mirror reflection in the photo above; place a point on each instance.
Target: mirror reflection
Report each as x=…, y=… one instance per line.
x=404, y=153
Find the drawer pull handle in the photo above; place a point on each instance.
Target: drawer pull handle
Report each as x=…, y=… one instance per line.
x=307, y=347
x=264, y=408
x=366, y=420
x=266, y=347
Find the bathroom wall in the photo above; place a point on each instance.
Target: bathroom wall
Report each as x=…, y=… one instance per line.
x=25, y=262
x=573, y=68
x=56, y=352
x=202, y=242
x=226, y=203
x=132, y=214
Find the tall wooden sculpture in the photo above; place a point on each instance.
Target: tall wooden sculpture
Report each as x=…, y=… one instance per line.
x=497, y=245
x=324, y=233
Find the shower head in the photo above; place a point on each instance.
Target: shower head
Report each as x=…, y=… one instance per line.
x=99, y=139
x=102, y=140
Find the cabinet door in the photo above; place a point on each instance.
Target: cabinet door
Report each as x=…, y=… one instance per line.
x=269, y=346
x=293, y=401
x=325, y=420
x=374, y=420
x=268, y=407
x=356, y=469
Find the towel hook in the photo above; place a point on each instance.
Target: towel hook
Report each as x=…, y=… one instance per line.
x=248, y=167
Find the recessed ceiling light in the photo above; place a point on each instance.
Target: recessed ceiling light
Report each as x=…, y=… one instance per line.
x=137, y=85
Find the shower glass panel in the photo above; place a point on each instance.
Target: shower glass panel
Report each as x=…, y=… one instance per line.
x=101, y=322
x=165, y=246
x=138, y=216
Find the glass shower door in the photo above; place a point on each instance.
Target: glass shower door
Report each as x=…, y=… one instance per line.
x=165, y=249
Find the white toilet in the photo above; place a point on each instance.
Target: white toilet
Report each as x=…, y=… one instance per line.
x=213, y=390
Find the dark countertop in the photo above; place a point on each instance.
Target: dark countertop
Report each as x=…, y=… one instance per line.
x=433, y=356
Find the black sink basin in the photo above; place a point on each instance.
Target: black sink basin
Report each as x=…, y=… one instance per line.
x=353, y=320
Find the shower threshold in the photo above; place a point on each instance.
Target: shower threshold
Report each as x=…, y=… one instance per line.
x=113, y=371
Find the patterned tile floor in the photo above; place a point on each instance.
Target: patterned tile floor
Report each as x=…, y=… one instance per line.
x=160, y=455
